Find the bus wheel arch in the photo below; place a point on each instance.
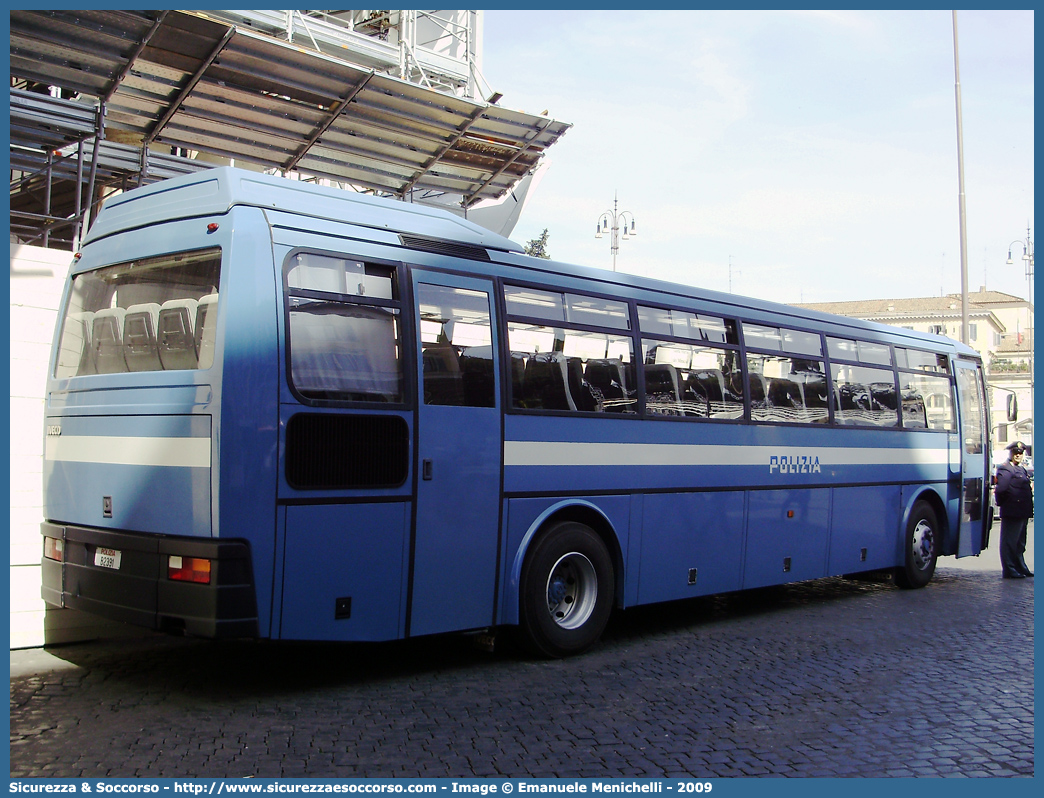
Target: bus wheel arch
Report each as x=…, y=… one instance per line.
x=922, y=541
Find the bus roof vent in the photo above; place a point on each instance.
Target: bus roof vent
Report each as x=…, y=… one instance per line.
x=442, y=247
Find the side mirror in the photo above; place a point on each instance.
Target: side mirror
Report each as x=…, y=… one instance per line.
x=1013, y=407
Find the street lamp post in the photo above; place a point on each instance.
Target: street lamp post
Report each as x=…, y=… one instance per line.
x=612, y=222
x=1027, y=257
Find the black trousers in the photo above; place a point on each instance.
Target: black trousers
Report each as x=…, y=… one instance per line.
x=1013, y=546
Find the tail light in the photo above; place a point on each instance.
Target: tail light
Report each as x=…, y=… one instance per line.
x=188, y=569
x=53, y=549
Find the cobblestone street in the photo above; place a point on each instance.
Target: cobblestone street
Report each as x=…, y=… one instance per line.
x=828, y=678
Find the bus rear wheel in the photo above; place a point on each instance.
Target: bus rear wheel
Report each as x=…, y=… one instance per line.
x=566, y=590
x=921, y=547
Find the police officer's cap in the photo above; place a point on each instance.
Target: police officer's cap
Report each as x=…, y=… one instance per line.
x=1017, y=447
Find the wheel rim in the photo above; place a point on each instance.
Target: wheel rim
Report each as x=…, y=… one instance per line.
x=572, y=590
x=922, y=545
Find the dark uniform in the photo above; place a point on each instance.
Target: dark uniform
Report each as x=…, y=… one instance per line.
x=1015, y=498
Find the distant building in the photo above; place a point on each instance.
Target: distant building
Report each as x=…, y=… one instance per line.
x=1000, y=328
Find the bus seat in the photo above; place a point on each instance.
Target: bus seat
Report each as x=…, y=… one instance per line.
x=784, y=393
x=206, y=329
x=815, y=390
x=545, y=382
x=442, y=381
x=884, y=395
x=629, y=380
x=662, y=388
x=706, y=390
x=758, y=387
x=76, y=342
x=518, y=372
x=712, y=381
x=605, y=377
x=858, y=402
x=140, y=346
x=732, y=376
x=662, y=378
x=477, y=376
x=583, y=398
x=854, y=396
x=176, y=334
x=605, y=381
x=915, y=410
x=107, y=340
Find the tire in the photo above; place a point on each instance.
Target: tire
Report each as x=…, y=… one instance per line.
x=566, y=591
x=921, y=547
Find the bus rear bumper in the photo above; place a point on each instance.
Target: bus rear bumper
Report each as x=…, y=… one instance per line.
x=126, y=576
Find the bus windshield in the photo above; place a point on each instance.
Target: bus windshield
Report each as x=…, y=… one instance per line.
x=153, y=314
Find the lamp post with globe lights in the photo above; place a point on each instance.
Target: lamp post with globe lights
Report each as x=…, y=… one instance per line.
x=1027, y=258
x=612, y=222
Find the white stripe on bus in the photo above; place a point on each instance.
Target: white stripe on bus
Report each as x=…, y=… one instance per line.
x=126, y=450
x=558, y=453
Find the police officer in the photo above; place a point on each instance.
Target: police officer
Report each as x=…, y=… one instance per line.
x=1015, y=498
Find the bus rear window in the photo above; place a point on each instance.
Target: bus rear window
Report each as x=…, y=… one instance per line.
x=152, y=314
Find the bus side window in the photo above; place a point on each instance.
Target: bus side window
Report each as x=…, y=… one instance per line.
x=690, y=376
x=790, y=390
x=926, y=401
x=925, y=390
x=971, y=410
x=456, y=346
x=689, y=380
x=343, y=329
x=789, y=387
x=556, y=368
x=570, y=352
x=343, y=351
x=864, y=396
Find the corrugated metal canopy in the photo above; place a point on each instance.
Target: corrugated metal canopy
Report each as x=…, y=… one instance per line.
x=183, y=79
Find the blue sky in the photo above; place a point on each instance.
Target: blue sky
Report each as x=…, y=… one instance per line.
x=817, y=150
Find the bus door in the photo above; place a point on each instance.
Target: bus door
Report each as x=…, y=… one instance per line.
x=454, y=552
x=975, y=503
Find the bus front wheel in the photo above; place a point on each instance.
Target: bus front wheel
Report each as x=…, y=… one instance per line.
x=921, y=547
x=566, y=590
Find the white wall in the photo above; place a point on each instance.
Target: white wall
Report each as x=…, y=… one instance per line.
x=37, y=278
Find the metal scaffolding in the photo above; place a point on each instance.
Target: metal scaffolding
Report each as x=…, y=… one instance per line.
x=385, y=102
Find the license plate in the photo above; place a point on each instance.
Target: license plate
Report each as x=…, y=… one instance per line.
x=107, y=558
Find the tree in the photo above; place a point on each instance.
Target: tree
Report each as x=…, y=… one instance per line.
x=537, y=248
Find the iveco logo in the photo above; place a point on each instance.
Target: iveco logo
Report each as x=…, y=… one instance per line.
x=54, y=429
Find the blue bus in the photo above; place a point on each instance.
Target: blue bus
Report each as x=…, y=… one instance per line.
x=286, y=411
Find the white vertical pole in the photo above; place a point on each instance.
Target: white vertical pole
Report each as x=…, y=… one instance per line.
x=960, y=182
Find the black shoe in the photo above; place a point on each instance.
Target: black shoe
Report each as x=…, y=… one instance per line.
x=1014, y=576
x=1027, y=572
